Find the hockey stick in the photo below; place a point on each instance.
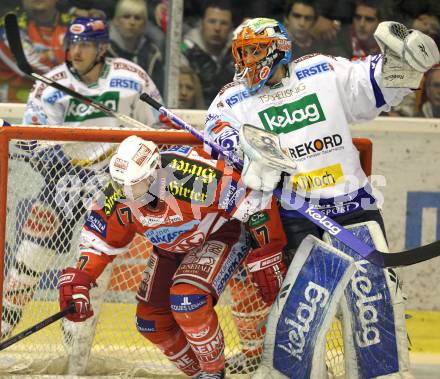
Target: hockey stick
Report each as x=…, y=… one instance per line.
x=13, y=36
x=381, y=259
x=37, y=327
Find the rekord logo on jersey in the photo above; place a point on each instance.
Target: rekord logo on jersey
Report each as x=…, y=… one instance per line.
x=315, y=147
x=293, y=116
x=78, y=111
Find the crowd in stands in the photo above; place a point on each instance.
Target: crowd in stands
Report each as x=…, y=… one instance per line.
x=138, y=33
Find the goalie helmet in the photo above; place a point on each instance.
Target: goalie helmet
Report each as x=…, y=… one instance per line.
x=87, y=29
x=259, y=46
x=134, y=166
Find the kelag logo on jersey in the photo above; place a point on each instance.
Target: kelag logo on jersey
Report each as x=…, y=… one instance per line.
x=292, y=116
x=78, y=111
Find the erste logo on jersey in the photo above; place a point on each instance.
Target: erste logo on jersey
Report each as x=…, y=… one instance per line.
x=237, y=97
x=125, y=83
x=77, y=111
x=293, y=116
x=317, y=68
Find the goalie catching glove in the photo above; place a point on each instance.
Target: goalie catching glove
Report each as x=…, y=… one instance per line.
x=74, y=286
x=268, y=270
x=407, y=54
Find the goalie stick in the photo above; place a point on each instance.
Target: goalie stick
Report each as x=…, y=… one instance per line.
x=37, y=327
x=16, y=47
x=379, y=258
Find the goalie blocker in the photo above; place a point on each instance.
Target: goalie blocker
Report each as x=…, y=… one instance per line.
x=322, y=275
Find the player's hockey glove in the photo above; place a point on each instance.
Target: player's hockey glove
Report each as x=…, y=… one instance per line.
x=74, y=286
x=268, y=270
x=407, y=54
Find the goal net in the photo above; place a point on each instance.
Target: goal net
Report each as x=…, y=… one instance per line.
x=48, y=178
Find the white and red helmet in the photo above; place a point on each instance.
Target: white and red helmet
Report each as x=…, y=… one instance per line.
x=135, y=160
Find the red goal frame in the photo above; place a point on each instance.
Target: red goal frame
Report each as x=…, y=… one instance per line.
x=168, y=137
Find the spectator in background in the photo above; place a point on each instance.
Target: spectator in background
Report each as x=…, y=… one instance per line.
x=331, y=15
x=206, y=49
x=431, y=94
x=406, y=11
x=190, y=95
x=42, y=29
x=128, y=39
x=190, y=90
x=357, y=40
x=89, y=8
x=299, y=18
x=428, y=24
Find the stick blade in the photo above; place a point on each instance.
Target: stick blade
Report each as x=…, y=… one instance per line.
x=13, y=36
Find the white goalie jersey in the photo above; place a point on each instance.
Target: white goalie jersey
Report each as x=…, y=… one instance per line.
x=310, y=110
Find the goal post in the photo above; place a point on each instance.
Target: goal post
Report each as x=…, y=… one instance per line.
x=117, y=346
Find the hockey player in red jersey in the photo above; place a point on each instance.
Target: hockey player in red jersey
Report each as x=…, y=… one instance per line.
x=190, y=207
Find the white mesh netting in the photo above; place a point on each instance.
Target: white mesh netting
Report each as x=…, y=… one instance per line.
x=48, y=194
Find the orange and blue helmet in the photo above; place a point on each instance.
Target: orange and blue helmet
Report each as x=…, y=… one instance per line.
x=259, y=46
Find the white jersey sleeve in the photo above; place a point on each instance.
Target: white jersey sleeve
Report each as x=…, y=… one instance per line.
x=362, y=97
x=142, y=111
x=42, y=107
x=221, y=124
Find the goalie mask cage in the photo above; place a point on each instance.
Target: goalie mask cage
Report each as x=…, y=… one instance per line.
x=108, y=344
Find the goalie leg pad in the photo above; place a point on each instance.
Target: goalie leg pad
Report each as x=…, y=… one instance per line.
x=375, y=338
x=193, y=310
x=303, y=311
x=158, y=326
